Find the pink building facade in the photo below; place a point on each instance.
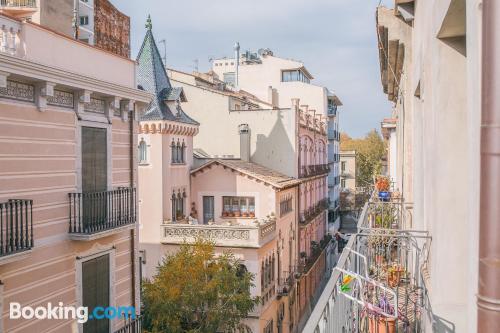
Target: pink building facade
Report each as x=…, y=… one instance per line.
x=68, y=178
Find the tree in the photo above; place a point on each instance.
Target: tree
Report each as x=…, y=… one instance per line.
x=369, y=153
x=195, y=290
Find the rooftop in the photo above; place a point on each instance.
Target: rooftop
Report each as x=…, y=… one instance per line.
x=253, y=171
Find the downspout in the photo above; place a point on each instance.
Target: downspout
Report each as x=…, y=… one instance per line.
x=134, y=233
x=488, y=298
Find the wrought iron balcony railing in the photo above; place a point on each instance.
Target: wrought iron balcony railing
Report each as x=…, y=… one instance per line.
x=97, y=212
x=18, y=3
x=131, y=326
x=310, y=214
x=378, y=284
x=16, y=226
x=285, y=283
x=313, y=170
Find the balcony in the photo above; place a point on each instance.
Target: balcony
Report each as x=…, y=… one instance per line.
x=131, y=326
x=16, y=228
x=230, y=234
x=285, y=283
x=310, y=214
x=98, y=214
x=18, y=8
x=313, y=170
x=378, y=284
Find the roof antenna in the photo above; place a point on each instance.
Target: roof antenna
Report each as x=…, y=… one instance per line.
x=164, y=58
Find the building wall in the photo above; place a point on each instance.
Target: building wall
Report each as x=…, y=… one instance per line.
x=111, y=28
x=443, y=162
x=211, y=110
x=39, y=157
x=56, y=15
x=349, y=175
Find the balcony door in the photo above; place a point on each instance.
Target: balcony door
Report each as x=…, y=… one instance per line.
x=94, y=177
x=96, y=291
x=208, y=209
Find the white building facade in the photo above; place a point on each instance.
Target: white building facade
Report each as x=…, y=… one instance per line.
x=277, y=81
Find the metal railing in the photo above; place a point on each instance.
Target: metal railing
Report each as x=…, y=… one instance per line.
x=95, y=212
x=18, y=3
x=310, y=214
x=132, y=326
x=313, y=170
x=16, y=226
x=377, y=285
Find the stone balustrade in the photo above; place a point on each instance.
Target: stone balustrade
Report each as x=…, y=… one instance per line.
x=243, y=235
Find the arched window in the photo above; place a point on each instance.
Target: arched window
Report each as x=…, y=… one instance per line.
x=143, y=152
x=178, y=151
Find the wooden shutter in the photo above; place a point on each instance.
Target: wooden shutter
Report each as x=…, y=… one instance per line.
x=95, y=287
x=94, y=159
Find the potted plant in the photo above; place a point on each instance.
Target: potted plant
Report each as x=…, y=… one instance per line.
x=379, y=323
x=383, y=185
x=394, y=274
x=237, y=213
x=225, y=213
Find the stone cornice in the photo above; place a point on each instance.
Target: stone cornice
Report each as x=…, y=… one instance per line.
x=167, y=127
x=26, y=68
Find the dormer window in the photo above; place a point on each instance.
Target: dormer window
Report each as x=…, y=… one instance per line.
x=294, y=75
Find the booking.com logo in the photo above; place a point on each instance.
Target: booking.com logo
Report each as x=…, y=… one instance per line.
x=80, y=313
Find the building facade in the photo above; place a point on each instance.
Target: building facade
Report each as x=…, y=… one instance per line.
x=68, y=178
x=439, y=66
x=96, y=22
x=278, y=80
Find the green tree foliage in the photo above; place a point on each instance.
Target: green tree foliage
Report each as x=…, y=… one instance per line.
x=195, y=290
x=369, y=153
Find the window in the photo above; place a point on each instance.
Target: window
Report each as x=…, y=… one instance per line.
x=143, y=153
x=238, y=206
x=342, y=166
x=84, y=20
x=178, y=152
x=286, y=205
x=178, y=199
x=96, y=291
x=294, y=75
x=342, y=183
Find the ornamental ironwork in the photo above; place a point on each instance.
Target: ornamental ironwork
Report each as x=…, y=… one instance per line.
x=19, y=91
x=95, y=105
x=219, y=234
x=62, y=98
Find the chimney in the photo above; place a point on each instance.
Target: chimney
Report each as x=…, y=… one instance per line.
x=244, y=132
x=272, y=96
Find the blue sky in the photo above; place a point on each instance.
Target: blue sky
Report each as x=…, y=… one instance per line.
x=336, y=39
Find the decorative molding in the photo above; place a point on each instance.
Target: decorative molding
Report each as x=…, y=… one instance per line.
x=168, y=127
x=30, y=69
x=216, y=234
x=18, y=91
x=62, y=98
x=3, y=79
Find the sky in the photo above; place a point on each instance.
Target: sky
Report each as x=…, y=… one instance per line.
x=336, y=40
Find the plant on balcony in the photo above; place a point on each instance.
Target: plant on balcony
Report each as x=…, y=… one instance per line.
x=394, y=274
x=379, y=323
x=211, y=292
x=382, y=184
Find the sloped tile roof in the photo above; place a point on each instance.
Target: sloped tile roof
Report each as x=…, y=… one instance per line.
x=254, y=170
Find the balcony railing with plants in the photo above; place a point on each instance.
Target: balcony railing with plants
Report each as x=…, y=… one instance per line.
x=310, y=214
x=16, y=226
x=313, y=170
x=285, y=283
x=18, y=3
x=306, y=263
x=378, y=285
x=131, y=326
x=97, y=212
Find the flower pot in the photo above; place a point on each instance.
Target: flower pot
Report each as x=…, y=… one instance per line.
x=252, y=214
x=384, y=195
x=393, y=278
x=382, y=325
x=379, y=259
x=237, y=214
x=225, y=214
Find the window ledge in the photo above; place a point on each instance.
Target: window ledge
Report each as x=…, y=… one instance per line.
x=180, y=164
x=143, y=163
x=237, y=217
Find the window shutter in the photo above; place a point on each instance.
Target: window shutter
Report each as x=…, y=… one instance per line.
x=95, y=287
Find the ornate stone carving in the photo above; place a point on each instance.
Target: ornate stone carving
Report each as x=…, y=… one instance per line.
x=19, y=91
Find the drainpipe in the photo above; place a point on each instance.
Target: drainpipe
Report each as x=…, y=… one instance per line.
x=488, y=298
